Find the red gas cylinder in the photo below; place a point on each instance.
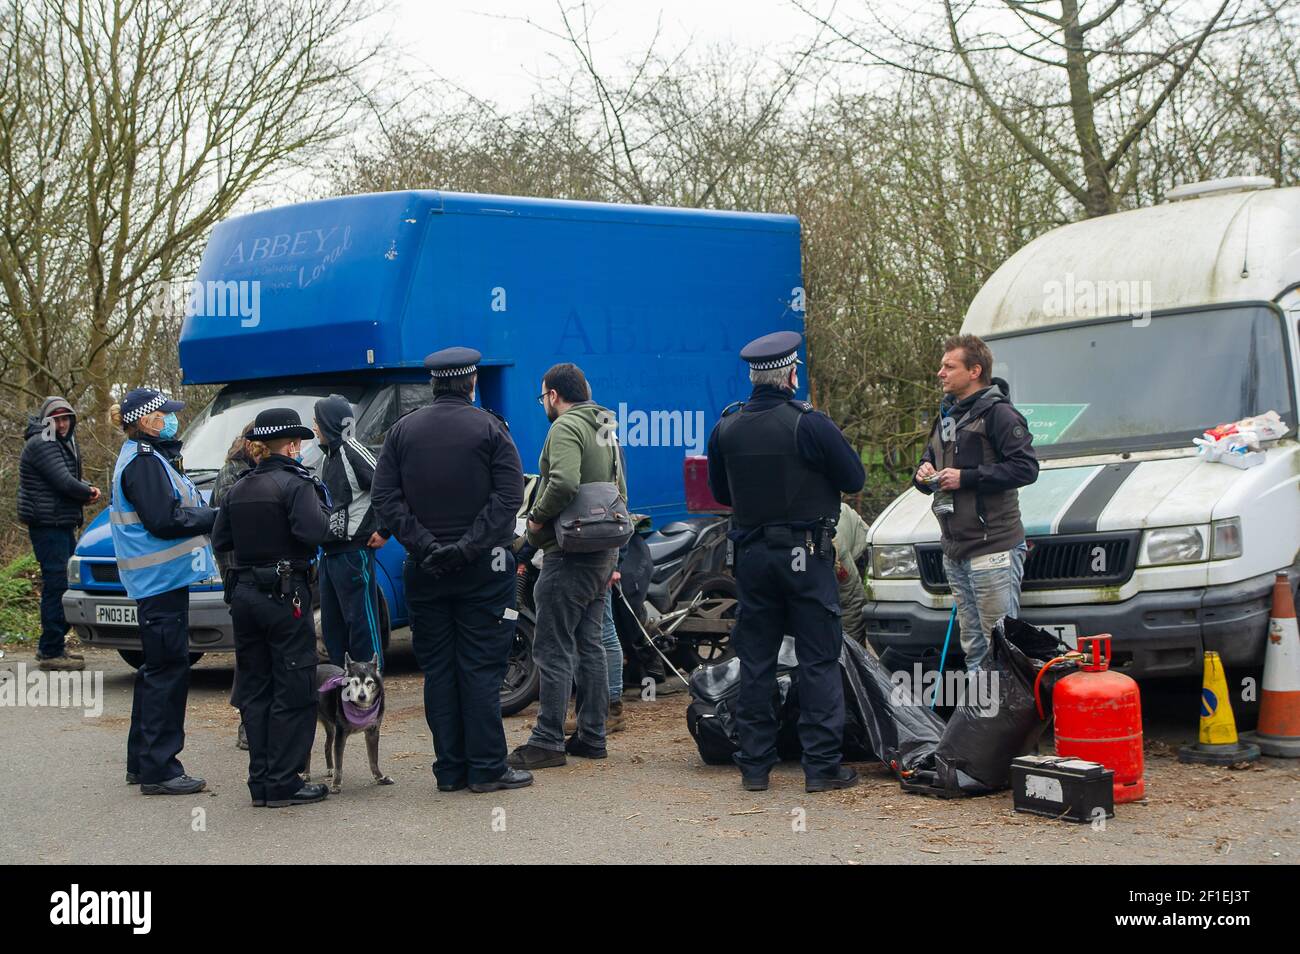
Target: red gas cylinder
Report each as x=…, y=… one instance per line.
x=1099, y=718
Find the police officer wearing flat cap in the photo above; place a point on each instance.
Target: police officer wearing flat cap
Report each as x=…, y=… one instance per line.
x=449, y=484
x=273, y=519
x=782, y=466
x=159, y=525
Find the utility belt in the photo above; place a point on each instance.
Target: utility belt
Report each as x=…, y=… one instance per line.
x=816, y=537
x=280, y=578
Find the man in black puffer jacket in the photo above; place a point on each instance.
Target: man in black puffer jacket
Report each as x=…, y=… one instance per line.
x=51, y=495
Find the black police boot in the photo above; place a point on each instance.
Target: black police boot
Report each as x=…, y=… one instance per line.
x=452, y=786
x=309, y=793
x=180, y=785
x=510, y=778
x=241, y=740
x=534, y=757
x=844, y=778
x=753, y=783
x=584, y=750
x=132, y=778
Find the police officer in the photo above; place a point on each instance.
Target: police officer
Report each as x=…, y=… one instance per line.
x=159, y=525
x=273, y=519
x=782, y=467
x=449, y=484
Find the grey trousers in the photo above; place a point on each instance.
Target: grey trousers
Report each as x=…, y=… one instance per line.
x=570, y=600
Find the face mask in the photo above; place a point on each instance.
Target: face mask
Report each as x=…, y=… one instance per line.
x=169, y=427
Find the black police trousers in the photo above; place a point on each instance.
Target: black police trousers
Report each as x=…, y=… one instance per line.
x=162, y=684
x=462, y=628
x=784, y=589
x=275, y=676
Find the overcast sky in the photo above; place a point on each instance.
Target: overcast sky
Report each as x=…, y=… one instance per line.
x=498, y=50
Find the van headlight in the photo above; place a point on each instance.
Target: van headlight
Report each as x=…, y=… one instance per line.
x=74, y=570
x=1166, y=545
x=894, y=562
x=1225, y=541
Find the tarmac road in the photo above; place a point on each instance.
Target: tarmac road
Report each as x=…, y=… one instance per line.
x=64, y=799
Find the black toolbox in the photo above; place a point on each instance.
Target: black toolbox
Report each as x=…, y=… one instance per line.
x=1060, y=786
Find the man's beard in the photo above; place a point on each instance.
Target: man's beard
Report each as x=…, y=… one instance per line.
x=551, y=413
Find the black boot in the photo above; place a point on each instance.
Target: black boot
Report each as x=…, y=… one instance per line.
x=309, y=793
x=844, y=778
x=510, y=778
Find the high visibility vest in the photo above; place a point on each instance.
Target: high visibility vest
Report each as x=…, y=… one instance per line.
x=149, y=565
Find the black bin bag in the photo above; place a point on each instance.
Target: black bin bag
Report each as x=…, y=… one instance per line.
x=876, y=725
x=980, y=740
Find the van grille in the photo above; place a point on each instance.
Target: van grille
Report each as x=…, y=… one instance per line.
x=105, y=573
x=1058, y=562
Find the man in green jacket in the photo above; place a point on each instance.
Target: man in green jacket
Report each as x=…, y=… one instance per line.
x=580, y=448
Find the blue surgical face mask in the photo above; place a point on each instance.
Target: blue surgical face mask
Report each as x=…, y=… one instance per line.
x=170, y=425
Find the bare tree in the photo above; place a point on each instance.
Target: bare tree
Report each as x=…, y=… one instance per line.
x=128, y=128
x=1076, y=83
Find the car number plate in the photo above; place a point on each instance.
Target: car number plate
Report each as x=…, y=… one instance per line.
x=115, y=614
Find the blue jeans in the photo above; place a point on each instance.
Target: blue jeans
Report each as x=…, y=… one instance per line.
x=613, y=650
x=984, y=596
x=53, y=547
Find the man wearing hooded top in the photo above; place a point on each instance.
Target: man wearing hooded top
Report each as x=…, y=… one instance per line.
x=349, y=589
x=51, y=496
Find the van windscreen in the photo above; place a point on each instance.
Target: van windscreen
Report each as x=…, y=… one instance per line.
x=209, y=437
x=1134, y=385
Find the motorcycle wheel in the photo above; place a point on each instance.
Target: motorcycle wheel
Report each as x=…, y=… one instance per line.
x=523, y=678
x=706, y=649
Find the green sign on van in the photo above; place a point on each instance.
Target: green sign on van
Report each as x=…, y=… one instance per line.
x=1049, y=422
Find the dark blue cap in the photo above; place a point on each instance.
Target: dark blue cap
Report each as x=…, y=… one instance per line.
x=144, y=401
x=776, y=350
x=453, y=362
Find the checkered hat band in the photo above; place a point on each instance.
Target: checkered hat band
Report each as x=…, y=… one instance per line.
x=454, y=372
x=271, y=429
x=778, y=363
x=148, y=407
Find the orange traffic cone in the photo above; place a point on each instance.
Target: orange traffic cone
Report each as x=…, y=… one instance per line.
x=1278, y=732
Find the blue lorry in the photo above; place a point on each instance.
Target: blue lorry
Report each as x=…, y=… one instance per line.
x=347, y=296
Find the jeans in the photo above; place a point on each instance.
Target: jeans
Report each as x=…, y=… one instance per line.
x=53, y=547
x=984, y=596
x=613, y=650
x=567, y=646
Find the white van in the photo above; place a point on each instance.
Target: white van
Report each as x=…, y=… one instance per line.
x=1123, y=338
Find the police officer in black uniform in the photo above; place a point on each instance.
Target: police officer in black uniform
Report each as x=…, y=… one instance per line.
x=273, y=518
x=449, y=484
x=782, y=466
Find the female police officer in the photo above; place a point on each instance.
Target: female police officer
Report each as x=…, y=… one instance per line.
x=159, y=525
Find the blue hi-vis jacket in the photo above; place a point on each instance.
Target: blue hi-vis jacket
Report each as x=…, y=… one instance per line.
x=147, y=564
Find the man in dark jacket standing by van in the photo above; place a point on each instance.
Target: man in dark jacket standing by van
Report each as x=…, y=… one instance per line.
x=51, y=495
x=581, y=448
x=449, y=484
x=349, y=587
x=980, y=450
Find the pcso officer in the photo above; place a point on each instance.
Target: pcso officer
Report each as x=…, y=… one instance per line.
x=274, y=518
x=159, y=525
x=782, y=467
x=449, y=484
